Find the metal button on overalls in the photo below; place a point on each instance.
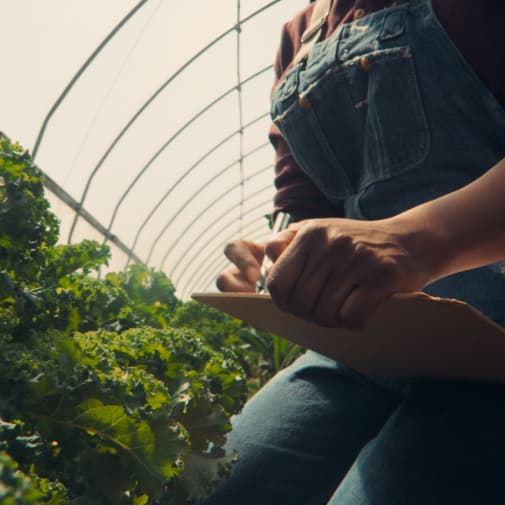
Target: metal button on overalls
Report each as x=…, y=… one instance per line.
x=359, y=13
x=383, y=143
x=304, y=102
x=365, y=63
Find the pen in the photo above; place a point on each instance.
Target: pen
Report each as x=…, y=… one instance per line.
x=282, y=221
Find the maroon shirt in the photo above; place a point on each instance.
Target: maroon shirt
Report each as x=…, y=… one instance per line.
x=477, y=28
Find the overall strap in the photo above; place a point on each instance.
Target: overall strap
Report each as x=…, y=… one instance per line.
x=315, y=29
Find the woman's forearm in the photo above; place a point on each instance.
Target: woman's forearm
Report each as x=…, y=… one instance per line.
x=336, y=272
x=462, y=230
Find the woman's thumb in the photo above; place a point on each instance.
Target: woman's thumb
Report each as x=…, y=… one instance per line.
x=276, y=245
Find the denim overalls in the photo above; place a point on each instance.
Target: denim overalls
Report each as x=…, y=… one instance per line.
x=385, y=114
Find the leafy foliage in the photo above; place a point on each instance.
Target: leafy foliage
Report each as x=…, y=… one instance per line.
x=102, y=402
x=27, y=228
x=137, y=402
x=112, y=391
x=261, y=354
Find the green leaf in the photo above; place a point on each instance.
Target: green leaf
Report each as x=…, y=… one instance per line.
x=202, y=472
x=150, y=451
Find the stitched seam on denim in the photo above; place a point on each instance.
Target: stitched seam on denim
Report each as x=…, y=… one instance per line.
x=402, y=10
x=389, y=170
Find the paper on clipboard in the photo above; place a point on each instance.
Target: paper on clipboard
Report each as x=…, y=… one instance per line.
x=411, y=335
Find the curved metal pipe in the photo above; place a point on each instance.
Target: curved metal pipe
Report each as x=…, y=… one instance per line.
x=79, y=73
x=191, y=168
x=191, y=259
x=148, y=102
x=217, y=219
x=170, y=140
x=194, y=195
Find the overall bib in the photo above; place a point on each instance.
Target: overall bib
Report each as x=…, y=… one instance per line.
x=385, y=114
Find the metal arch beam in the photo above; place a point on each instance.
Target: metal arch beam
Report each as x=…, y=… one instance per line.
x=184, y=255
x=216, y=220
x=219, y=248
x=240, y=103
x=191, y=168
x=173, y=137
x=60, y=193
x=79, y=73
x=148, y=102
x=194, y=195
x=192, y=283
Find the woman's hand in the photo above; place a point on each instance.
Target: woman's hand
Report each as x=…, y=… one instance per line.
x=336, y=272
x=245, y=272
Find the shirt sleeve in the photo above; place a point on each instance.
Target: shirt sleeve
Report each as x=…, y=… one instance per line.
x=295, y=191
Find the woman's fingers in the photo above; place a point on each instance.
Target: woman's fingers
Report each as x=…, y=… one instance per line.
x=331, y=271
x=278, y=244
x=232, y=280
x=247, y=257
x=336, y=272
x=331, y=298
x=328, y=273
x=355, y=268
x=289, y=254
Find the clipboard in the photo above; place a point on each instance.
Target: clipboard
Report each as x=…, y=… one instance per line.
x=410, y=335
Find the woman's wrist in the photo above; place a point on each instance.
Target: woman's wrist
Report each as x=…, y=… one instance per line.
x=426, y=243
x=458, y=231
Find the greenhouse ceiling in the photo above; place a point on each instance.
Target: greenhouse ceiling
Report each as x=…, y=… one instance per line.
x=149, y=120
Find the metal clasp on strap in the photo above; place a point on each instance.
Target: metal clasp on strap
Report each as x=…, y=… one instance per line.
x=315, y=29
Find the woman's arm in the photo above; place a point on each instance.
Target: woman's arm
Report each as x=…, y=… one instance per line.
x=337, y=271
x=466, y=227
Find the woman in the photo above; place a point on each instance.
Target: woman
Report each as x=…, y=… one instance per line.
x=397, y=124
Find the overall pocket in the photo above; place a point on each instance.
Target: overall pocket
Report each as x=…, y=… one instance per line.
x=361, y=121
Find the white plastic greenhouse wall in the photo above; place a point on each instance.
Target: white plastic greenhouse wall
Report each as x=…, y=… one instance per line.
x=150, y=120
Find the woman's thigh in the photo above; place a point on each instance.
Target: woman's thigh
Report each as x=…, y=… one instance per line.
x=445, y=445
x=298, y=436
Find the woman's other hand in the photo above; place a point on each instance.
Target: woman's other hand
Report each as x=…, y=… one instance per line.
x=246, y=258
x=335, y=272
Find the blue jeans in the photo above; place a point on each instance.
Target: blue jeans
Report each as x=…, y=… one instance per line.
x=322, y=434
x=392, y=116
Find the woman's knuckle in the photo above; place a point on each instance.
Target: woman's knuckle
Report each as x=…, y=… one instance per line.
x=221, y=281
x=229, y=249
x=270, y=248
x=313, y=231
x=363, y=254
x=387, y=271
x=341, y=244
x=345, y=239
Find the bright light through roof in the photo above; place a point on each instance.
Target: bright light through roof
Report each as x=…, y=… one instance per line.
x=171, y=186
